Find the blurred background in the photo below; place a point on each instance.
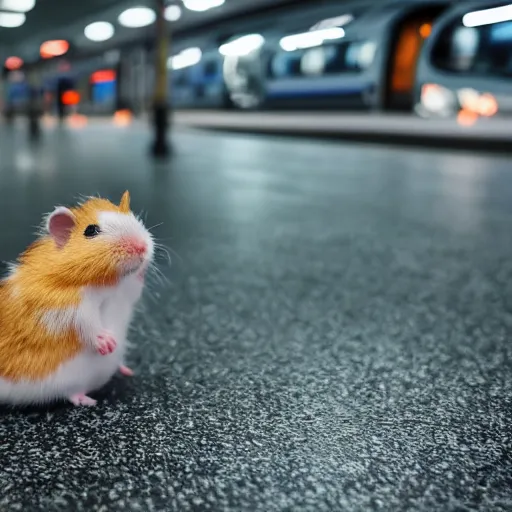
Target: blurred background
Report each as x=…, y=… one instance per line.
x=328, y=323
x=421, y=57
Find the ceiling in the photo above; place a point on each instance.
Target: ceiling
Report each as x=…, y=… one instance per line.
x=66, y=19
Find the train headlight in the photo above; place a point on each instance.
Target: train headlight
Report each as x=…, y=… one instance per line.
x=439, y=100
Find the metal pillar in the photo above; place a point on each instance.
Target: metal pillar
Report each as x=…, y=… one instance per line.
x=34, y=106
x=160, y=146
x=8, y=108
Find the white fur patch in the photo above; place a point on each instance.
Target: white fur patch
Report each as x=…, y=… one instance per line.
x=119, y=225
x=11, y=271
x=58, y=321
x=105, y=308
x=12, y=267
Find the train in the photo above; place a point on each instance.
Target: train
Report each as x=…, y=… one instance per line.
x=427, y=57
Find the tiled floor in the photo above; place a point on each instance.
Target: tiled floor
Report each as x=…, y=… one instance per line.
x=333, y=333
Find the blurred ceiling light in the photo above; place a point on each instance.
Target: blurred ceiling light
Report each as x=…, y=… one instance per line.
x=185, y=59
x=172, y=13
x=242, y=46
x=137, y=17
x=55, y=48
x=338, y=21
x=487, y=16
x=202, y=5
x=310, y=39
x=13, y=63
x=17, y=5
x=12, y=19
x=99, y=31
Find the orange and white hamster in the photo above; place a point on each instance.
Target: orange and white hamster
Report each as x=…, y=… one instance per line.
x=66, y=305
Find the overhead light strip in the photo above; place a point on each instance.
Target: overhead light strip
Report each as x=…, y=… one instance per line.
x=310, y=39
x=487, y=16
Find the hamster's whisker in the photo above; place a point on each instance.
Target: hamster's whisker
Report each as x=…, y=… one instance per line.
x=155, y=272
x=141, y=216
x=155, y=226
x=162, y=251
x=153, y=267
x=167, y=250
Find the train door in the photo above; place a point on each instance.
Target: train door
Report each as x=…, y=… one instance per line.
x=407, y=41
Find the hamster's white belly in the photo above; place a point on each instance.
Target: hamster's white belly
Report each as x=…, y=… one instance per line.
x=88, y=371
x=84, y=373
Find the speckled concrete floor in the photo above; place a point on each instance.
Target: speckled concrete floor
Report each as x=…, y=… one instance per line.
x=333, y=333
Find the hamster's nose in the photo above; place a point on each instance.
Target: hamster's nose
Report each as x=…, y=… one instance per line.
x=136, y=247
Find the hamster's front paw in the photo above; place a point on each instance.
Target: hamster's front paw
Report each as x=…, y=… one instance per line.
x=105, y=343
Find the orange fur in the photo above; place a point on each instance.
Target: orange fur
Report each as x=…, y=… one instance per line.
x=50, y=278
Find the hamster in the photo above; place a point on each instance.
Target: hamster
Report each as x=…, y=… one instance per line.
x=66, y=304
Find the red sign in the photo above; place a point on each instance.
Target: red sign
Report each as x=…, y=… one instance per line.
x=103, y=75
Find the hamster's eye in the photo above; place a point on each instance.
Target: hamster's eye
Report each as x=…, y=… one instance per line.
x=92, y=230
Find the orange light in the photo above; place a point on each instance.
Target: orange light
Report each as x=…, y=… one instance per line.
x=70, y=98
x=55, y=48
x=487, y=105
x=430, y=89
x=469, y=99
x=13, y=63
x=77, y=121
x=49, y=121
x=466, y=117
x=123, y=117
x=104, y=75
x=425, y=30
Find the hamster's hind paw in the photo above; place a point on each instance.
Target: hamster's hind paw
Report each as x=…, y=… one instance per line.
x=82, y=399
x=127, y=372
x=105, y=343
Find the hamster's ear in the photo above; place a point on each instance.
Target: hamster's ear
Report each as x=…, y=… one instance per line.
x=124, y=205
x=60, y=223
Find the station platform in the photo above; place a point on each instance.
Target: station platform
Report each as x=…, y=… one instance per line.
x=333, y=333
x=465, y=133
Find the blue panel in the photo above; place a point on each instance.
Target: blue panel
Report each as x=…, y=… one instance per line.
x=502, y=32
x=104, y=92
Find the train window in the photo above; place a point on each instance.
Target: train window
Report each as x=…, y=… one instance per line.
x=483, y=50
x=210, y=68
x=500, y=48
x=180, y=78
x=313, y=62
x=327, y=59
